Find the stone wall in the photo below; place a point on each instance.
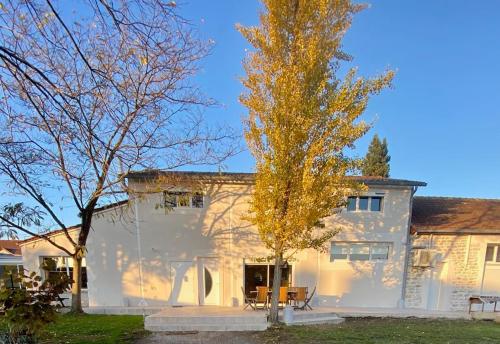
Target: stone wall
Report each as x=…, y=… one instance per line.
x=464, y=256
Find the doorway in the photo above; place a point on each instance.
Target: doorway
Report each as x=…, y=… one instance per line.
x=209, y=281
x=257, y=275
x=491, y=274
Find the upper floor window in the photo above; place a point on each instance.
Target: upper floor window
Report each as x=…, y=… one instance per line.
x=364, y=203
x=182, y=199
x=493, y=253
x=360, y=251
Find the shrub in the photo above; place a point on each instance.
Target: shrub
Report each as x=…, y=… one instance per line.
x=31, y=304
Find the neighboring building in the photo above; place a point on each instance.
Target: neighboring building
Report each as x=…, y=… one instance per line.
x=181, y=239
x=462, y=239
x=11, y=260
x=36, y=250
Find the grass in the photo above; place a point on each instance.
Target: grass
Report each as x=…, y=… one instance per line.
x=96, y=329
x=390, y=330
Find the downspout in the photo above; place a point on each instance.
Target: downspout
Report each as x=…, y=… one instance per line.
x=407, y=250
x=143, y=302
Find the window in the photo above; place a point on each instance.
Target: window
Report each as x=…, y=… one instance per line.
x=351, y=205
x=63, y=265
x=493, y=253
x=364, y=203
x=340, y=251
x=376, y=204
x=360, y=251
x=7, y=273
x=197, y=200
x=182, y=200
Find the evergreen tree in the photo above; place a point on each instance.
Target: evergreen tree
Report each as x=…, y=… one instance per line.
x=376, y=162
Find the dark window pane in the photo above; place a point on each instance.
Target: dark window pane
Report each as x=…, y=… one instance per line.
x=169, y=200
x=285, y=276
x=489, y=253
x=197, y=200
x=380, y=251
x=84, y=277
x=360, y=252
x=255, y=276
x=376, y=204
x=351, y=205
x=363, y=203
x=208, y=282
x=339, y=251
x=498, y=254
x=183, y=200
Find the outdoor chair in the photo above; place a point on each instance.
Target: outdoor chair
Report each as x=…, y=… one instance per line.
x=306, y=305
x=249, y=301
x=300, y=296
x=262, y=296
x=283, y=297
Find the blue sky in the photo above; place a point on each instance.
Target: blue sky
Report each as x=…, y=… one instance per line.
x=441, y=118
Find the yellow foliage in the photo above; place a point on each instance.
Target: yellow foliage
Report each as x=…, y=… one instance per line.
x=302, y=118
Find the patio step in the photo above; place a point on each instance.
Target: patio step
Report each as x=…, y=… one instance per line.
x=235, y=320
x=314, y=317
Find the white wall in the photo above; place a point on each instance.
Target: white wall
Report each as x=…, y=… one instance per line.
x=459, y=274
x=178, y=239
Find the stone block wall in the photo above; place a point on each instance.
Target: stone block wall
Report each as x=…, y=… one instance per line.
x=464, y=258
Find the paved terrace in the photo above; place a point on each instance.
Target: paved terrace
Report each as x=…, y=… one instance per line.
x=215, y=318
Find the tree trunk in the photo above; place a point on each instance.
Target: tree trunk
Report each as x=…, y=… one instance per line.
x=76, y=288
x=273, y=314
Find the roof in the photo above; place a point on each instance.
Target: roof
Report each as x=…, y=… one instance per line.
x=10, y=247
x=250, y=177
x=48, y=234
x=450, y=215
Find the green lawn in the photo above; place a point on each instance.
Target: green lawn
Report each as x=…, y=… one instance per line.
x=373, y=330
x=96, y=329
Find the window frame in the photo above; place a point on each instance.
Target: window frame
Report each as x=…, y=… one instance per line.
x=495, y=257
x=368, y=209
x=177, y=195
x=370, y=245
x=67, y=268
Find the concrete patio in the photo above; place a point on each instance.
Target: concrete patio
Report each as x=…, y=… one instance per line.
x=216, y=318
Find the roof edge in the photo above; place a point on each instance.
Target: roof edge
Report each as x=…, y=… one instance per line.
x=250, y=177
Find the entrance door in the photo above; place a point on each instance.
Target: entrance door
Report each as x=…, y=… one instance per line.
x=491, y=277
x=183, y=277
x=438, y=297
x=210, y=276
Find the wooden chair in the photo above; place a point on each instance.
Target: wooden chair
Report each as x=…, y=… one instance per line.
x=249, y=301
x=283, y=297
x=306, y=305
x=300, y=296
x=262, y=297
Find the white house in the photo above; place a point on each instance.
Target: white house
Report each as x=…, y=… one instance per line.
x=181, y=239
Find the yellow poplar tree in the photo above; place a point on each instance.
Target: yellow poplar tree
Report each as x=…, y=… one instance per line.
x=302, y=119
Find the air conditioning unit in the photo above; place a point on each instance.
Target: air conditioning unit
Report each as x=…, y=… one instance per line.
x=425, y=258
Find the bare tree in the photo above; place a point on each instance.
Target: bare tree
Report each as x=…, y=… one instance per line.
x=87, y=96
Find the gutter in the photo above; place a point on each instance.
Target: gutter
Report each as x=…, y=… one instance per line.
x=407, y=250
x=143, y=302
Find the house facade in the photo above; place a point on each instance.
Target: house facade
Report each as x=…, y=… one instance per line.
x=181, y=239
x=463, y=238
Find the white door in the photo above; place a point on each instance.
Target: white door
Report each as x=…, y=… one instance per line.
x=209, y=286
x=183, y=277
x=439, y=296
x=491, y=277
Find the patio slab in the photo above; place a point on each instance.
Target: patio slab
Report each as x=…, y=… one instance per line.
x=358, y=312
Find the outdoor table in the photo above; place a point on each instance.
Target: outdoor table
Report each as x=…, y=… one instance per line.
x=291, y=294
